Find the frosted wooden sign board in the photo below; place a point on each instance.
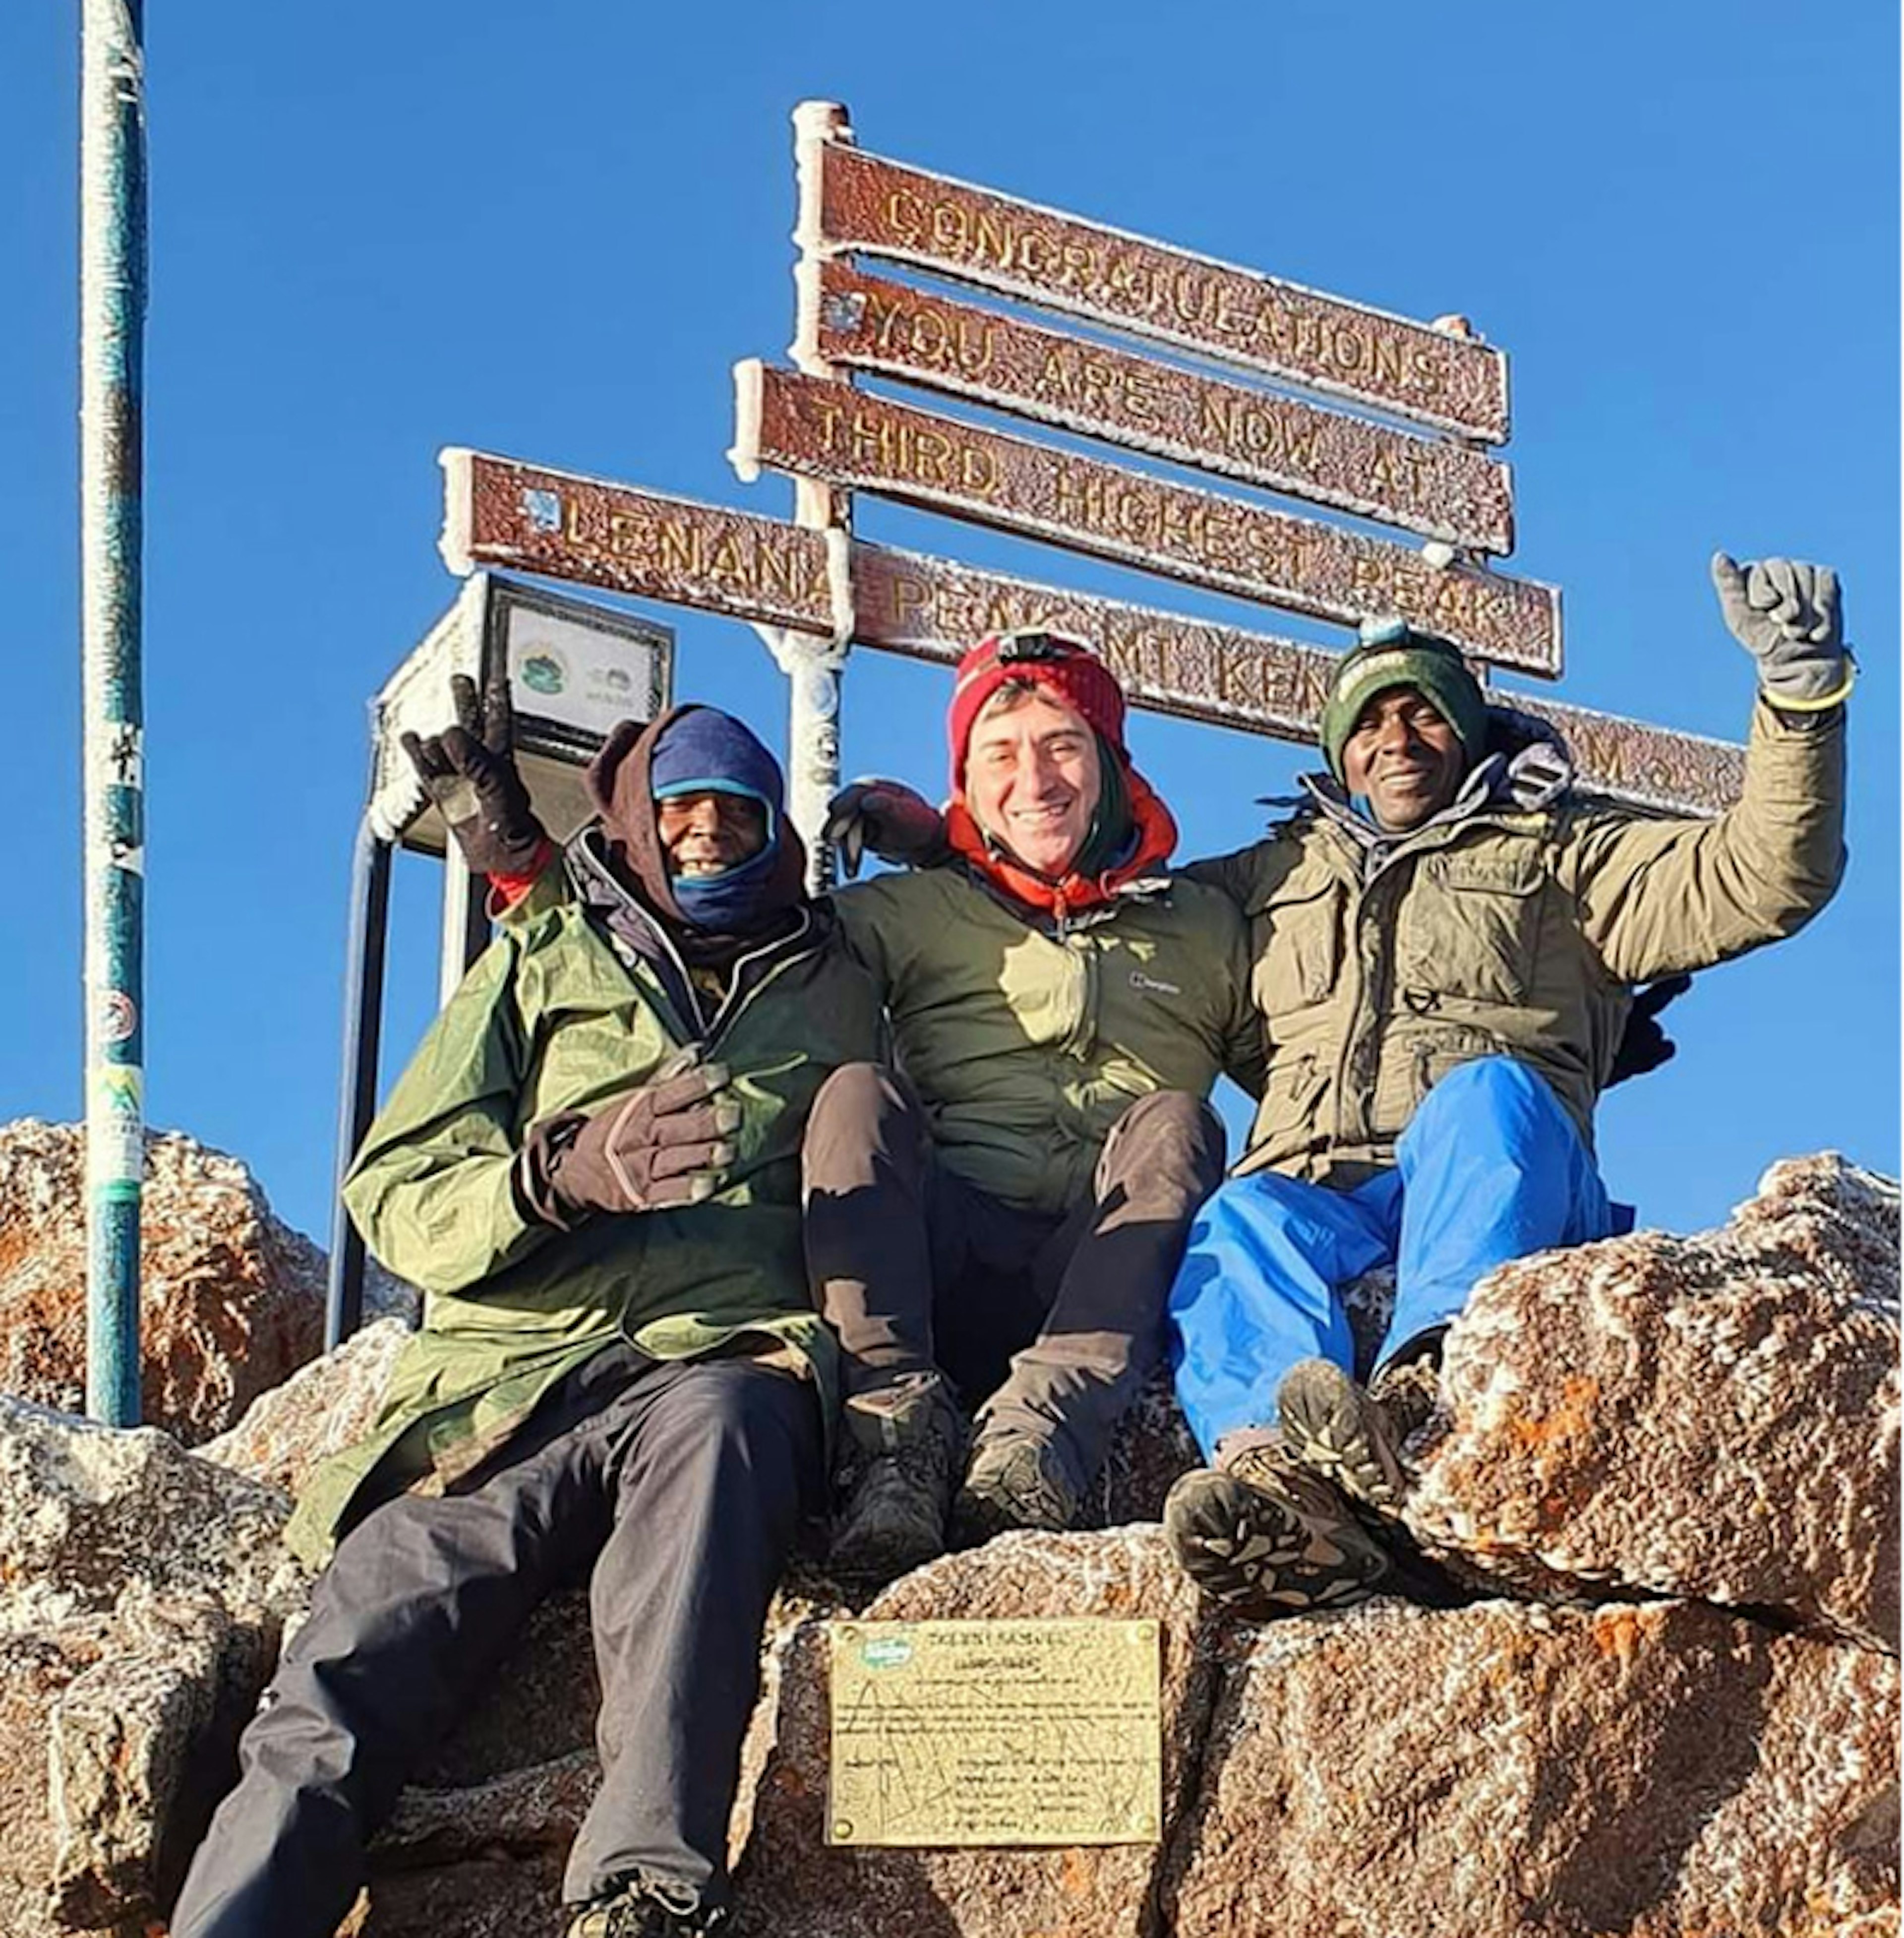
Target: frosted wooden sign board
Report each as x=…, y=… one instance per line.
x=501, y=512
x=1439, y=489
x=885, y=209
x=811, y=428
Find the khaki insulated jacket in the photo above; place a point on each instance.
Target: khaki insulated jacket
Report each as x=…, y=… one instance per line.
x=1508, y=932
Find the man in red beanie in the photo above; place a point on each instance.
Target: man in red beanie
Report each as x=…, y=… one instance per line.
x=994, y=1232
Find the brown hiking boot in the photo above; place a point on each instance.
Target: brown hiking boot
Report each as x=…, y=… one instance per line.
x=1013, y=1481
x=1264, y=1537
x=1353, y=1436
x=901, y=1452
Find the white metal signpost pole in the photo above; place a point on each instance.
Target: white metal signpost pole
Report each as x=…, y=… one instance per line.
x=112, y=285
x=814, y=666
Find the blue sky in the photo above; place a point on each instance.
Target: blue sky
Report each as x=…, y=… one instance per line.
x=379, y=229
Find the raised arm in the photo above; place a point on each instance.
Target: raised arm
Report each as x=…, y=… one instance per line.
x=1660, y=896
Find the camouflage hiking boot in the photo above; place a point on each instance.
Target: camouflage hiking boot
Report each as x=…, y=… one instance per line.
x=897, y=1485
x=649, y=1908
x=1353, y=1436
x=1264, y=1537
x=1013, y=1481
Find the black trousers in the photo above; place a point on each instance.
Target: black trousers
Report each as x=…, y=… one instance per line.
x=1044, y=1325
x=676, y=1488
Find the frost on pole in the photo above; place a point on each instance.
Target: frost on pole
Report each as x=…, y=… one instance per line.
x=1440, y=489
x=814, y=429
x=586, y=531
x=930, y=222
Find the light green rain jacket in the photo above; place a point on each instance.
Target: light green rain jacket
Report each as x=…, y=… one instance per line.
x=1026, y=1044
x=551, y=1018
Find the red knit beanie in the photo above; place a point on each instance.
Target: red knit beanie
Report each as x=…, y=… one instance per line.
x=1072, y=671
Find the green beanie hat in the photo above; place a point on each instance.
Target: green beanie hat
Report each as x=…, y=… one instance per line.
x=1393, y=653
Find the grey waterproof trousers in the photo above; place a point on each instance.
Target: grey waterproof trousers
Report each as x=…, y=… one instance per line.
x=1044, y=1325
x=675, y=1489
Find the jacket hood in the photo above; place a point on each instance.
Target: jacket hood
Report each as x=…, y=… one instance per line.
x=621, y=782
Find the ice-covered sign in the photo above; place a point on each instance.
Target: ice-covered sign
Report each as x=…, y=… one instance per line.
x=1439, y=488
x=902, y=214
x=817, y=429
x=500, y=512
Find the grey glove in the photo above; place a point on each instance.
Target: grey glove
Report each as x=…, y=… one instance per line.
x=888, y=819
x=665, y=1145
x=470, y=771
x=1785, y=614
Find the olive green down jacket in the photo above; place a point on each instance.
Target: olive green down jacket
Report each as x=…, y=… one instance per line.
x=1508, y=933
x=552, y=1018
x=1026, y=1043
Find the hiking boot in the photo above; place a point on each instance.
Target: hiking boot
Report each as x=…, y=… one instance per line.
x=1014, y=1481
x=648, y=1907
x=901, y=1451
x=1353, y=1436
x=1264, y=1537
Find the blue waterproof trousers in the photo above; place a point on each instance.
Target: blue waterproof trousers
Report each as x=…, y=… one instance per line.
x=1490, y=1168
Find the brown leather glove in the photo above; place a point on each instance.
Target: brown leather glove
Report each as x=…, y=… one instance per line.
x=665, y=1145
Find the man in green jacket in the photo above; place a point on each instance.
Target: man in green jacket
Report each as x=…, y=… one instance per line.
x=1445, y=940
x=592, y=1169
x=996, y=1228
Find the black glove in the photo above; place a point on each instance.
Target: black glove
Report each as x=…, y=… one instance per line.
x=470, y=771
x=664, y=1144
x=886, y=818
x=1645, y=1045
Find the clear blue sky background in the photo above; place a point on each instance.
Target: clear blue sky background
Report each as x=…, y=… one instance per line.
x=376, y=229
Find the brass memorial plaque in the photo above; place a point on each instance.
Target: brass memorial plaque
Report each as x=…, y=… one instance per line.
x=995, y=1733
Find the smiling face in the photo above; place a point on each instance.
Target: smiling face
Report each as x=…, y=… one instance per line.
x=704, y=834
x=1032, y=776
x=1402, y=754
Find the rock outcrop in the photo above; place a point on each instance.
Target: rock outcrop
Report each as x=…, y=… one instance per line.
x=231, y=1301
x=1650, y=1769
x=1715, y=1418
x=1658, y=1765
x=145, y=1592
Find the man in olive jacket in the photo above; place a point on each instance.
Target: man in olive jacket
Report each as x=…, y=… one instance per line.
x=998, y=1226
x=592, y=1168
x=1445, y=941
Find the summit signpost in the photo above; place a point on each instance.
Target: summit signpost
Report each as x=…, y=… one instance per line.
x=1393, y=432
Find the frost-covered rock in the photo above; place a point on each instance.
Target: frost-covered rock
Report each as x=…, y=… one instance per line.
x=1715, y=1417
x=231, y=1299
x=320, y=1410
x=1661, y=1770
x=145, y=1593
